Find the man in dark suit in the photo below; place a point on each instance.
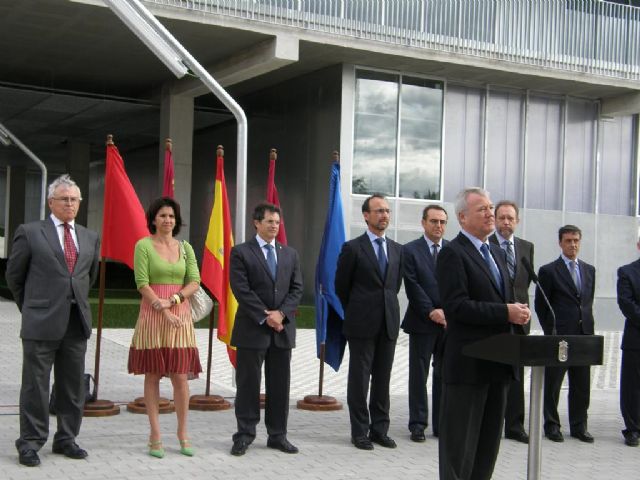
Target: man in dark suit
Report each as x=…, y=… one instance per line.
x=629, y=303
x=478, y=303
x=266, y=280
x=424, y=320
x=515, y=249
x=570, y=285
x=368, y=278
x=53, y=264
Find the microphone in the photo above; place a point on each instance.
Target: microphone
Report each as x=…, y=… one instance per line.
x=534, y=278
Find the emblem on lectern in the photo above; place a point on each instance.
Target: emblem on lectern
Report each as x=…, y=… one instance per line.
x=563, y=351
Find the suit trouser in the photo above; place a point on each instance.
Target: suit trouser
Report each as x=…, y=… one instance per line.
x=277, y=374
x=579, y=395
x=630, y=390
x=423, y=347
x=471, y=419
x=370, y=358
x=67, y=358
x=514, y=413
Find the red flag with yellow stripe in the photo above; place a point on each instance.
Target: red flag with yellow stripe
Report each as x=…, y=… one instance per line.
x=215, y=262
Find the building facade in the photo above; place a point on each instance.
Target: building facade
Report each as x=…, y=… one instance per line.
x=537, y=102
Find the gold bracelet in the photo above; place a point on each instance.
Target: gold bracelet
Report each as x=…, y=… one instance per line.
x=176, y=299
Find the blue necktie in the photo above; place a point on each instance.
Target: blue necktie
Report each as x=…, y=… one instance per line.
x=492, y=267
x=575, y=274
x=271, y=260
x=382, y=257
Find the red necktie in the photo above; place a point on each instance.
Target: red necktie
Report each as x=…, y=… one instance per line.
x=70, y=252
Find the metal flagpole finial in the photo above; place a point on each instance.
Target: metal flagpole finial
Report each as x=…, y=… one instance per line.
x=109, y=140
x=168, y=144
x=220, y=151
x=273, y=154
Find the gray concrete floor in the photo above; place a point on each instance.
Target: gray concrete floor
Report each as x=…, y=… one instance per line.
x=117, y=445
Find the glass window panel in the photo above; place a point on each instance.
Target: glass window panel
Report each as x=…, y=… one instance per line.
x=376, y=120
x=579, y=156
x=544, y=153
x=420, y=138
x=504, y=146
x=463, y=139
x=617, y=165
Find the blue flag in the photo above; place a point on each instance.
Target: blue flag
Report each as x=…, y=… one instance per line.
x=329, y=312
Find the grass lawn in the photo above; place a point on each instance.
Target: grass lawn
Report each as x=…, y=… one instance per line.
x=121, y=311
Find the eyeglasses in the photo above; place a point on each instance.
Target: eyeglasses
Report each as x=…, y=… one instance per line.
x=71, y=200
x=381, y=211
x=433, y=221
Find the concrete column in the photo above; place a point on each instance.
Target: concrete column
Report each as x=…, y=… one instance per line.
x=14, y=204
x=77, y=165
x=176, y=122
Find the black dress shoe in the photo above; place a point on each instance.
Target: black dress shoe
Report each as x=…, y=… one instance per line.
x=555, y=436
x=363, y=443
x=382, y=440
x=583, y=436
x=283, y=445
x=418, y=436
x=239, y=448
x=521, y=437
x=632, y=439
x=70, y=450
x=29, y=458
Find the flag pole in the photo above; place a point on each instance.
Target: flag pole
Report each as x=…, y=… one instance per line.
x=208, y=402
x=100, y=408
x=321, y=402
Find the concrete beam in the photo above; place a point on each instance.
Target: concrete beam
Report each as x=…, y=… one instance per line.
x=252, y=62
x=628, y=104
x=176, y=122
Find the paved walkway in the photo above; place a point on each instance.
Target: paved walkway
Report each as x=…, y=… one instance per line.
x=117, y=445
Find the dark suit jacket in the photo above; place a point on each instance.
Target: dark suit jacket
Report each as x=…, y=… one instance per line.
x=420, y=284
x=256, y=292
x=367, y=298
x=475, y=308
x=41, y=284
x=574, y=314
x=629, y=303
x=521, y=281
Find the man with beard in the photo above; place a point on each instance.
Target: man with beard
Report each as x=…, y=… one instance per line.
x=368, y=278
x=515, y=249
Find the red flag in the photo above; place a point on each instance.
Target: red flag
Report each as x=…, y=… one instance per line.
x=215, y=261
x=272, y=195
x=124, y=221
x=168, y=185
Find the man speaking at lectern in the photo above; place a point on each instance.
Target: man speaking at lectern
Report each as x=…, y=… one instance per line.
x=477, y=298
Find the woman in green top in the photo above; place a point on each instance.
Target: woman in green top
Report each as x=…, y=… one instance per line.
x=164, y=341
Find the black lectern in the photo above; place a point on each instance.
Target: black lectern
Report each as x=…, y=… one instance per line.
x=538, y=351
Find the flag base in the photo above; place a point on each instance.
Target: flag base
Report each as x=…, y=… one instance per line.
x=101, y=408
x=208, y=403
x=319, y=403
x=138, y=406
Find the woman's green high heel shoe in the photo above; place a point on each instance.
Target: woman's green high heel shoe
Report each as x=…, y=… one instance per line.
x=186, y=448
x=155, y=449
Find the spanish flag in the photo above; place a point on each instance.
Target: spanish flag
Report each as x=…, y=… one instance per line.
x=215, y=261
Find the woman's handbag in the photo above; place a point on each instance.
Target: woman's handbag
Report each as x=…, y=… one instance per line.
x=201, y=303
